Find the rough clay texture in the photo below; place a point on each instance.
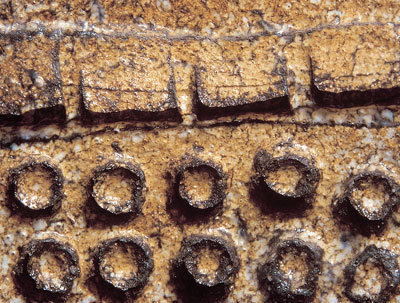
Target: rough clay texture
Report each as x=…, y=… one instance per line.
x=143, y=62
x=30, y=76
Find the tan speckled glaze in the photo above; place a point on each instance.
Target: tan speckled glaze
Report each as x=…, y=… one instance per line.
x=369, y=280
x=34, y=188
x=348, y=154
x=294, y=267
x=198, y=184
x=149, y=57
x=52, y=267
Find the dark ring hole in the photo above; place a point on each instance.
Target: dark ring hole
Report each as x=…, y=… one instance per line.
x=367, y=201
x=196, y=192
x=123, y=267
x=371, y=196
x=293, y=267
x=372, y=276
x=116, y=193
x=209, y=263
x=284, y=185
x=287, y=178
x=199, y=186
x=204, y=269
x=35, y=189
x=293, y=272
x=117, y=190
x=47, y=269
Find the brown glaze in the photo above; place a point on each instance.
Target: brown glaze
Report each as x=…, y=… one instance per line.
x=156, y=83
x=30, y=84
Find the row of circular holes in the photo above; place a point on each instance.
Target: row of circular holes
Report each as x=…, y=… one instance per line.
x=35, y=283
x=197, y=163
x=297, y=199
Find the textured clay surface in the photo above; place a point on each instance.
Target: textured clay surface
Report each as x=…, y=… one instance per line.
x=199, y=151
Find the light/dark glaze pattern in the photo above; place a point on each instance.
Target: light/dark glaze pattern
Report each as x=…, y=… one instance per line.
x=156, y=82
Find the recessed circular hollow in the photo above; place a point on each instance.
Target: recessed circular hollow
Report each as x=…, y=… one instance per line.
x=284, y=184
x=372, y=259
x=201, y=184
x=209, y=260
x=294, y=267
x=372, y=195
x=36, y=187
x=196, y=191
x=118, y=190
x=124, y=263
x=284, y=179
x=47, y=269
x=289, y=176
x=368, y=199
x=292, y=272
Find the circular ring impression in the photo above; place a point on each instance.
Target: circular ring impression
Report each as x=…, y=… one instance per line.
x=197, y=176
x=36, y=187
x=118, y=189
x=389, y=188
x=306, y=184
x=197, y=247
x=280, y=284
x=51, y=266
x=121, y=276
x=386, y=261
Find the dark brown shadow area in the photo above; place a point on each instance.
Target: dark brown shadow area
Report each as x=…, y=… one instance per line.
x=278, y=105
x=43, y=116
x=354, y=98
x=169, y=115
